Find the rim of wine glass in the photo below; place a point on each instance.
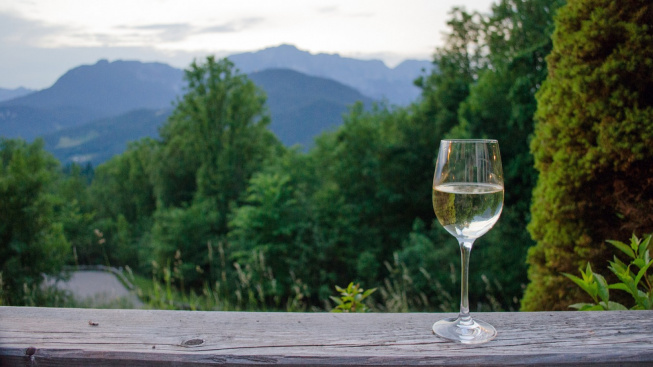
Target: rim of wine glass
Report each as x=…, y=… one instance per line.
x=471, y=140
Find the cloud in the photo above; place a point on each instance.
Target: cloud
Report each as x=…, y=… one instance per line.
x=17, y=30
x=328, y=10
x=234, y=26
x=167, y=32
x=177, y=32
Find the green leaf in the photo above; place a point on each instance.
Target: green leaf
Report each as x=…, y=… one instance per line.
x=643, y=251
x=590, y=307
x=587, y=275
x=620, y=270
x=336, y=300
x=589, y=288
x=638, y=245
x=618, y=264
x=614, y=306
x=634, y=242
x=642, y=272
x=623, y=247
x=602, y=287
x=619, y=286
x=368, y=292
x=639, y=263
x=642, y=300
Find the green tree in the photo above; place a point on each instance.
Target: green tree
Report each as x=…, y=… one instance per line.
x=294, y=218
x=275, y=224
x=501, y=104
x=343, y=208
x=212, y=144
x=369, y=172
x=32, y=241
x=592, y=144
x=457, y=66
x=72, y=201
x=215, y=139
x=123, y=200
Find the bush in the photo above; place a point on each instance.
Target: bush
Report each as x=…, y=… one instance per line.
x=592, y=144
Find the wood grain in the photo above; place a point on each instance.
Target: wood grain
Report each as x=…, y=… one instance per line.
x=82, y=337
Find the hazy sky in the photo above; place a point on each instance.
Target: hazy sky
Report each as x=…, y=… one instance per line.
x=42, y=39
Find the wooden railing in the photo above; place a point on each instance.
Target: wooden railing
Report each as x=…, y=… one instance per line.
x=90, y=337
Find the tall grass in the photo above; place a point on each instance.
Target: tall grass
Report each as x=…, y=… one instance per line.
x=253, y=287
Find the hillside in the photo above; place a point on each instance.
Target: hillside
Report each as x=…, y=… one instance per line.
x=98, y=141
x=90, y=92
x=301, y=108
x=109, y=87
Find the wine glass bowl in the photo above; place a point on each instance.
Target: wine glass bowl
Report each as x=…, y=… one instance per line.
x=467, y=200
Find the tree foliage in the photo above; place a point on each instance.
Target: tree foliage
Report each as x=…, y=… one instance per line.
x=213, y=143
x=166, y=199
x=122, y=199
x=592, y=143
x=32, y=240
x=216, y=137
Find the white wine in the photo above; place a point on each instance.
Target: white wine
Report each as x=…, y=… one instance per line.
x=467, y=210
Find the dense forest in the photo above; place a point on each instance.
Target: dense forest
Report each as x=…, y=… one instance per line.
x=217, y=214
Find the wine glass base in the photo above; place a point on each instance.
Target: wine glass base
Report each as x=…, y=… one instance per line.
x=465, y=331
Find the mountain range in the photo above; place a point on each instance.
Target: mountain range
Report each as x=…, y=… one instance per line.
x=370, y=77
x=92, y=111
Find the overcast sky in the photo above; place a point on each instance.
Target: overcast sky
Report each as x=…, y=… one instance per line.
x=42, y=39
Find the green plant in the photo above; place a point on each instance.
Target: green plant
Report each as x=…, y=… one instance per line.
x=634, y=278
x=591, y=144
x=351, y=299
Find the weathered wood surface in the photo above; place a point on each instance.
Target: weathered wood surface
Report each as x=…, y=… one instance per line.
x=85, y=337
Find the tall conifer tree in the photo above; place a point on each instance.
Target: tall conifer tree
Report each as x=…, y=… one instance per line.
x=592, y=144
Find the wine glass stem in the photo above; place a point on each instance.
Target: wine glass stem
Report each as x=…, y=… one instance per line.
x=465, y=251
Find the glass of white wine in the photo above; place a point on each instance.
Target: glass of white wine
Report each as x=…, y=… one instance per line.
x=467, y=199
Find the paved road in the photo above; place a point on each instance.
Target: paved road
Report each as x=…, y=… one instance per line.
x=99, y=289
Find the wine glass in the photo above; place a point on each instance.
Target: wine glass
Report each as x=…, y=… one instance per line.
x=467, y=199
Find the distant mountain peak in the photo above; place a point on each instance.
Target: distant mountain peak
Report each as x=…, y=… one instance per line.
x=372, y=78
x=284, y=47
x=8, y=94
x=110, y=87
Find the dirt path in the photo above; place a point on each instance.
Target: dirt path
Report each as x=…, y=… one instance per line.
x=99, y=289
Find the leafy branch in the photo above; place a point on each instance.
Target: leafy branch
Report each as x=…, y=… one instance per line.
x=351, y=298
x=634, y=278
